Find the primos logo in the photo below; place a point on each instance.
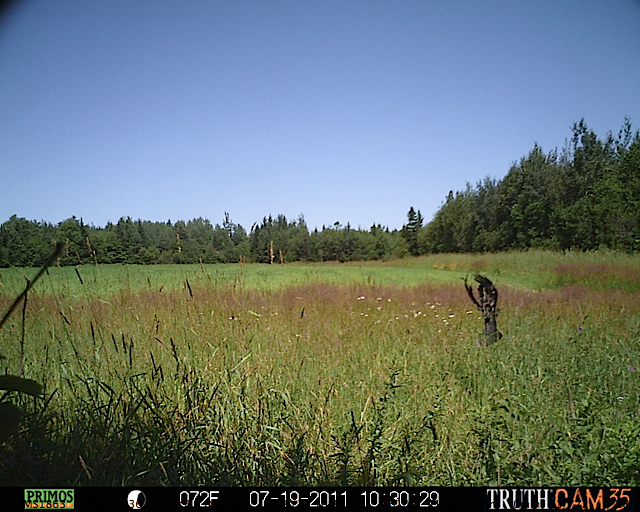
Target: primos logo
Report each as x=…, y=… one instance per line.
x=48, y=498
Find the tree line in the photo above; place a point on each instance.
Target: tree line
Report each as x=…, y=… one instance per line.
x=585, y=197
x=274, y=240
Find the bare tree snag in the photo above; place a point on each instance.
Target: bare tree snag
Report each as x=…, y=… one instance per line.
x=487, y=303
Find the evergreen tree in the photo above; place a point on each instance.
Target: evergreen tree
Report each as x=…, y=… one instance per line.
x=411, y=229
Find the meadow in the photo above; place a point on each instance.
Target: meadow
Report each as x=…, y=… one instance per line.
x=327, y=374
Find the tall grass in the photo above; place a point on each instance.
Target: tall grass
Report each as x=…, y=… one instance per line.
x=339, y=381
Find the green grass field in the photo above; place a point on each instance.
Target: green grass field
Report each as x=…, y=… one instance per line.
x=327, y=374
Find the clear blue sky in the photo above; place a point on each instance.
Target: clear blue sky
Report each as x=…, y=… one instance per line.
x=348, y=111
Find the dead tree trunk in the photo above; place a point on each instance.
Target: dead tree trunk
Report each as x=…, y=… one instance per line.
x=487, y=303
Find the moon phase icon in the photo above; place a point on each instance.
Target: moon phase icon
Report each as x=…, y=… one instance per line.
x=136, y=500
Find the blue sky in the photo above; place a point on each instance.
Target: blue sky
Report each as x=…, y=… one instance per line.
x=347, y=111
